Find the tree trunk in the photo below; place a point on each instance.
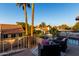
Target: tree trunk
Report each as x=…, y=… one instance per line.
x=26, y=24
x=32, y=26
x=25, y=15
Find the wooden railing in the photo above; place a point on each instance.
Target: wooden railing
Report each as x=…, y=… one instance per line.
x=10, y=44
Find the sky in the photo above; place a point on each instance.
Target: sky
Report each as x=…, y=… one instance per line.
x=50, y=13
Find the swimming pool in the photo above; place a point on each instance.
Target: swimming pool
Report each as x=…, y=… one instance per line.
x=73, y=41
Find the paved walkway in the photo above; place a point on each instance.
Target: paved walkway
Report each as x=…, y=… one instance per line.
x=73, y=51
x=26, y=52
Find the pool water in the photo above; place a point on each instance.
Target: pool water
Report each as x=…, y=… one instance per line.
x=73, y=42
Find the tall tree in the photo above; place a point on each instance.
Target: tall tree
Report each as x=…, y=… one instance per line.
x=76, y=27
x=23, y=26
x=25, y=14
x=49, y=26
x=43, y=24
x=54, y=31
x=64, y=26
x=32, y=26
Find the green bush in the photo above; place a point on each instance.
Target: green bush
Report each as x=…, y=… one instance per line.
x=54, y=32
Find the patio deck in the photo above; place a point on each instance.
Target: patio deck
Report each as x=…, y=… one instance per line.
x=26, y=52
x=72, y=51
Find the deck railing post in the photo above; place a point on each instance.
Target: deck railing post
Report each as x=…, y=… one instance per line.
x=11, y=47
x=3, y=46
x=18, y=43
x=26, y=42
x=23, y=42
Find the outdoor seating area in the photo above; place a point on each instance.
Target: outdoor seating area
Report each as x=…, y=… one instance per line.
x=51, y=47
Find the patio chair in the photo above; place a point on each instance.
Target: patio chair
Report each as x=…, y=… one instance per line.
x=49, y=50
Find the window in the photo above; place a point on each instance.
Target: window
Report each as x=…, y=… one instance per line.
x=13, y=35
x=20, y=34
x=4, y=35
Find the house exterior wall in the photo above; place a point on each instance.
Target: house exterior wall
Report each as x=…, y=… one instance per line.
x=13, y=35
x=10, y=31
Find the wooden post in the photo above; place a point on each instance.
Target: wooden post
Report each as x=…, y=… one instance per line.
x=11, y=47
x=18, y=42
x=3, y=46
x=23, y=42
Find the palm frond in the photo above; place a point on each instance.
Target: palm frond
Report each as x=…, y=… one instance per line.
x=28, y=5
x=19, y=4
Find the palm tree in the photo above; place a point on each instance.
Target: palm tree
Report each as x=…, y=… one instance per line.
x=32, y=26
x=43, y=24
x=25, y=14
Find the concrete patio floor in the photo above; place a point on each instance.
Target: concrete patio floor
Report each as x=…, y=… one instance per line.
x=72, y=51
x=26, y=52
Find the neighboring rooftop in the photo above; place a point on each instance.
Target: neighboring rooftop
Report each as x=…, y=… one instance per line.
x=10, y=28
